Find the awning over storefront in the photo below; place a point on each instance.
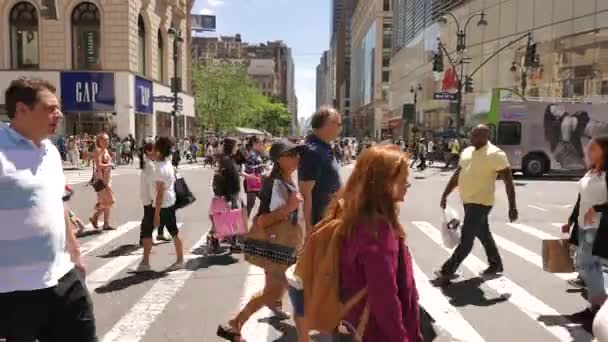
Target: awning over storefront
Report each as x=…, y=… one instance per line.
x=249, y=131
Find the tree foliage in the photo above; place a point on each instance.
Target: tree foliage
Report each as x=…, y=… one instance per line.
x=226, y=97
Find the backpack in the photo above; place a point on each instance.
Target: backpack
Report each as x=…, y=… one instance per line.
x=318, y=267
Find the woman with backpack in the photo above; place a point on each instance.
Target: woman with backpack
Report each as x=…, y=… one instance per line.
x=279, y=201
x=374, y=255
x=589, y=222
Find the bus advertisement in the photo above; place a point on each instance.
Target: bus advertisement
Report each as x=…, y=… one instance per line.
x=540, y=135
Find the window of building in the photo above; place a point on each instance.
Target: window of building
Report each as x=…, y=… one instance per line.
x=86, y=37
x=161, y=58
x=141, y=46
x=509, y=133
x=386, y=76
x=24, y=36
x=387, y=5
x=386, y=60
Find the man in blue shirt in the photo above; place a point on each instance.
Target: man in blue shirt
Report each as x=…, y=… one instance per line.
x=319, y=171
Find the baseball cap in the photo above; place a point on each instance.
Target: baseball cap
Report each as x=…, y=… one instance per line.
x=284, y=146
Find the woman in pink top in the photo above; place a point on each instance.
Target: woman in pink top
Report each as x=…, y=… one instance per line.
x=375, y=254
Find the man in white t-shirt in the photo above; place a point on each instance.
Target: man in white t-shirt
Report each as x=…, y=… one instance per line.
x=43, y=295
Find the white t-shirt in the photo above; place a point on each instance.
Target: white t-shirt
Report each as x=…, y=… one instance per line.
x=147, y=184
x=164, y=172
x=592, y=188
x=32, y=234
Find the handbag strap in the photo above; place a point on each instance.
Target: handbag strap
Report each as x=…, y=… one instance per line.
x=294, y=214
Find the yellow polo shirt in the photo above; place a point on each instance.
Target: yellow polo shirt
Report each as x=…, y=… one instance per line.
x=478, y=170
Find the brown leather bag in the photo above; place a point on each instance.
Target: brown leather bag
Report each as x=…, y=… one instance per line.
x=556, y=256
x=273, y=248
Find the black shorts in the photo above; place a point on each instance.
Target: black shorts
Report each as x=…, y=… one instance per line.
x=60, y=313
x=167, y=219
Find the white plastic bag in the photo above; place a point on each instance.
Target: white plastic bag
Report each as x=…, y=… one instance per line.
x=450, y=228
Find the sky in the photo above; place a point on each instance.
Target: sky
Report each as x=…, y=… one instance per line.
x=302, y=24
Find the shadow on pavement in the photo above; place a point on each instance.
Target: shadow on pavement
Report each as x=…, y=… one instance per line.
x=89, y=232
x=468, y=292
x=121, y=251
x=130, y=280
x=583, y=318
x=288, y=331
x=209, y=261
x=550, y=177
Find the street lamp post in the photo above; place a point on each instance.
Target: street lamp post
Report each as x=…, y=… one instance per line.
x=461, y=47
x=176, y=83
x=415, y=91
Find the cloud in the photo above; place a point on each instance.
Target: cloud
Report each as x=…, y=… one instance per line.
x=216, y=3
x=206, y=11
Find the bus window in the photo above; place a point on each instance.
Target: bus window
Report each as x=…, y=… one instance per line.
x=509, y=133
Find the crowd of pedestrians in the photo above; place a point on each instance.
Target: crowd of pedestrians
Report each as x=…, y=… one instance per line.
x=351, y=237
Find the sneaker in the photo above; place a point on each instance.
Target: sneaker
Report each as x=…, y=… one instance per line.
x=143, y=268
x=442, y=278
x=176, y=266
x=492, y=271
x=577, y=282
x=279, y=314
x=163, y=237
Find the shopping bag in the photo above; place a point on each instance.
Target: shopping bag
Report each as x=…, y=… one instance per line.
x=231, y=223
x=450, y=228
x=254, y=184
x=183, y=195
x=556, y=256
x=218, y=205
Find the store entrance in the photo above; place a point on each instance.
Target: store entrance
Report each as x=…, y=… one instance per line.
x=91, y=123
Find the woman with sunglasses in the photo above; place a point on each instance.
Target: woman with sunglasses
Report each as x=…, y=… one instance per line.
x=279, y=201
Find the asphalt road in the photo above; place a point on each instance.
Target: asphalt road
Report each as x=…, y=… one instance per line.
x=188, y=305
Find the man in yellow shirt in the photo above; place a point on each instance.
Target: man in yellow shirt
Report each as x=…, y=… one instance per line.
x=475, y=178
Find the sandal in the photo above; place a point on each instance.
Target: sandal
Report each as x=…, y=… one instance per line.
x=94, y=223
x=227, y=332
x=108, y=227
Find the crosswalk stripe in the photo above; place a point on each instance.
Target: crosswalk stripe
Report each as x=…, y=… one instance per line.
x=537, y=208
x=134, y=324
x=252, y=330
x=106, y=237
x=527, y=255
x=446, y=316
x=105, y=273
x=532, y=231
x=561, y=328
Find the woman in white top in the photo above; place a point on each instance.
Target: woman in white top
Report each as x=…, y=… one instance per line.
x=590, y=223
x=164, y=206
x=146, y=185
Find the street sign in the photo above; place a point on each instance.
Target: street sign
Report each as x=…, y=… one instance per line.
x=445, y=96
x=166, y=99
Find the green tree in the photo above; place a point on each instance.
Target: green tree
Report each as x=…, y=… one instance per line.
x=223, y=94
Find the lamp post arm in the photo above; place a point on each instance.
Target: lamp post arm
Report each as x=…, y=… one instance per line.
x=471, y=18
x=454, y=17
x=497, y=52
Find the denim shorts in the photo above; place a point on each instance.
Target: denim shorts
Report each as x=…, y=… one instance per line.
x=297, y=300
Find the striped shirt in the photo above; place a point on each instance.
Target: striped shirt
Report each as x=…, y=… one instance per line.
x=32, y=233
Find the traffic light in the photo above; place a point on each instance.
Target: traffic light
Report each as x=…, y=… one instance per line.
x=438, y=61
x=468, y=85
x=531, y=56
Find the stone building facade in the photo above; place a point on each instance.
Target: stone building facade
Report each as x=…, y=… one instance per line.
x=572, y=37
x=120, y=50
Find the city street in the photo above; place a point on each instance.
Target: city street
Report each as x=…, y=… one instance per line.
x=188, y=305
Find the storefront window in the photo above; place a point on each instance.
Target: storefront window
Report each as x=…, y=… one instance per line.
x=141, y=46
x=24, y=36
x=86, y=36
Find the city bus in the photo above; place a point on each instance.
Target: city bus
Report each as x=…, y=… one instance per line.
x=540, y=135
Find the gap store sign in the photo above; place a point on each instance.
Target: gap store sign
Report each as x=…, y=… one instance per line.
x=88, y=92
x=143, y=96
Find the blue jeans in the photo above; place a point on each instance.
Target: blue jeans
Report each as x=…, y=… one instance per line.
x=590, y=266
